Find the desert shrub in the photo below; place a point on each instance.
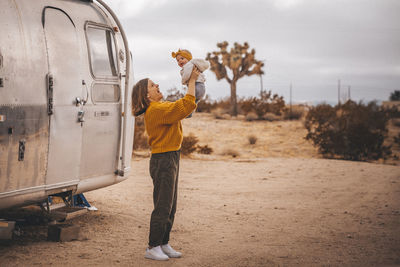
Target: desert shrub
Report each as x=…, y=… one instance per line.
x=251, y=116
x=140, y=140
x=393, y=111
x=220, y=114
x=204, y=149
x=230, y=152
x=269, y=116
x=174, y=94
x=224, y=105
x=217, y=115
x=226, y=116
x=395, y=96
x=295, y=113
x=252, y=139
x=206, y=105
x=266, y=102
x=350, y=131
x=396, y=122
x=397, y=139
x=247, y=105
x=189, y=144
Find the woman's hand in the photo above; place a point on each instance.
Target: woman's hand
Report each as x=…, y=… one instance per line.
x=195, y=73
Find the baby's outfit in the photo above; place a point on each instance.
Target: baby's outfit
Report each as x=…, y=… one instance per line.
x=186, y=71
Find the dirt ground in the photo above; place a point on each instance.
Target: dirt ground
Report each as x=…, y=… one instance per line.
x=277, y=203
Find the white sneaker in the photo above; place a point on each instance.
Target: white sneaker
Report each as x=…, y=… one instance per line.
x=167, y=249
x=156, y=253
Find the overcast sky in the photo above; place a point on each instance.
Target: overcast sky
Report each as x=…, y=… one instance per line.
x=309, y=43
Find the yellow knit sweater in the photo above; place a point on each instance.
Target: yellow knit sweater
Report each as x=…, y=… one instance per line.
x=163, y=123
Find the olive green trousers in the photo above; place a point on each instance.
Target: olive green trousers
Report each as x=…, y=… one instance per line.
x=164, y=170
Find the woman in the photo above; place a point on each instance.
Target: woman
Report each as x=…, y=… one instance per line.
x=164, y=128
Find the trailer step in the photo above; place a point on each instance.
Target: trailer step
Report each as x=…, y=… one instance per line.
x=67, y=213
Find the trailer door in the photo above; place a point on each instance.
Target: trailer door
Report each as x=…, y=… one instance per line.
x=64, y=87
x=102, y=127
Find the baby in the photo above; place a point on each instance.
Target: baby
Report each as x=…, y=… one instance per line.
x=185, y=61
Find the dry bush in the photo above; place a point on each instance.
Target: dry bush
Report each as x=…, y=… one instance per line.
x=206, y=105
x=266, y=102
x=220, y=114
x=204, y=149
x=395, y=95
x=230, y=152
x=397, y=139
x=174, y=94
x=217, y=115
x=251, y=116
x=352, y=131
x=396, y=122
x=217, y=108
x=140, y=140
x=296, y=113
x=226, y=116
x=189, y=144
x=224, y=104
x=271, y=117
x=252, y=139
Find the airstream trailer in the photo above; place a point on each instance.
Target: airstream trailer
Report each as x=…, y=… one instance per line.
x=65, y=120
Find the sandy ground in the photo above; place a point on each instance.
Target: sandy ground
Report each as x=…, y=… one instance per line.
x=274, y=204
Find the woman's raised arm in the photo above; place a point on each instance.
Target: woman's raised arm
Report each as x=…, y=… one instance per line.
x=192, y=81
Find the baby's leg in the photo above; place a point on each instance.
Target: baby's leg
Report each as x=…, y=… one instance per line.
x=200, y=91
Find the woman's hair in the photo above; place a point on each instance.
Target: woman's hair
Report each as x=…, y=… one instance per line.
x=140, y=102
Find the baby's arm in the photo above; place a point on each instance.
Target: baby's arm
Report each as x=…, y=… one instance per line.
x=201, y=64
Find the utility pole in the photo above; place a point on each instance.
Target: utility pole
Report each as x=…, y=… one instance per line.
x=261, y=84
x=290, y=109
x=338, y=88
x=348, y=92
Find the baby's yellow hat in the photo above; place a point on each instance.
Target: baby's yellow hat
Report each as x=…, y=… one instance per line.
x=184, y=53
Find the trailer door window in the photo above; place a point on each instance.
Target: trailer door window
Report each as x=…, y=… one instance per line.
x=102, y=52
x=105, y=92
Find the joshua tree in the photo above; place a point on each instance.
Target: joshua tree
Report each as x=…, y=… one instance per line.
x=239, y=60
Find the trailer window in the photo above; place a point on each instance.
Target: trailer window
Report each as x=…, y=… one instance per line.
x=102, y=52
x=105, y=92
